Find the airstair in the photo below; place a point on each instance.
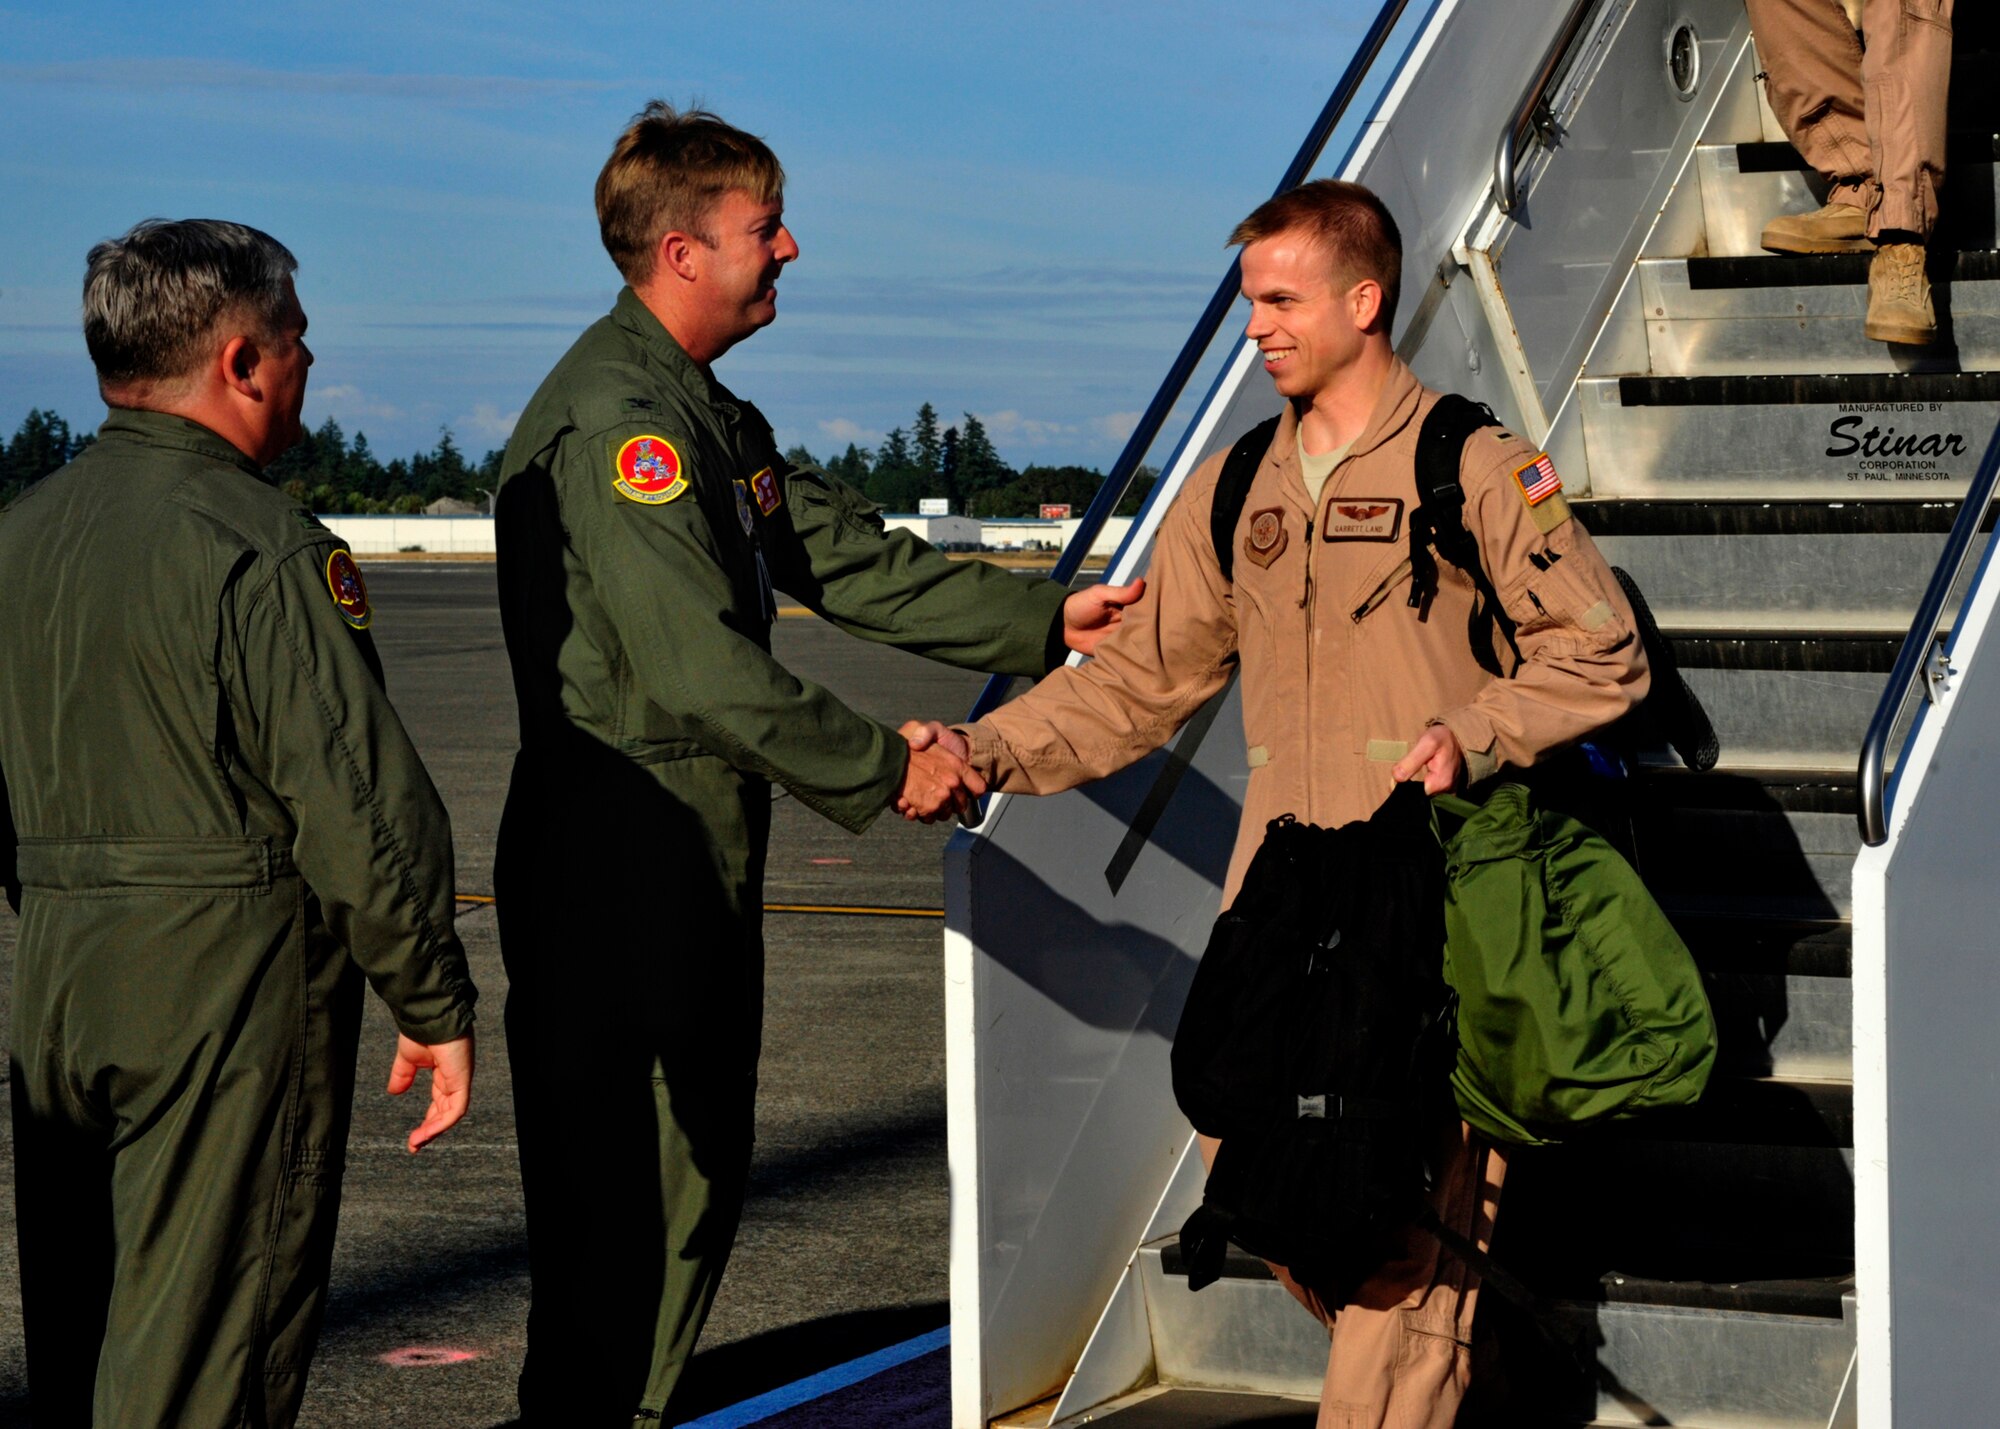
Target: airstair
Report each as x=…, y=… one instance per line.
x=1581, y=190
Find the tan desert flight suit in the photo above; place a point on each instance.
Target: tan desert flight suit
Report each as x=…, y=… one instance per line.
x=1871, y=121
x=218, y=826
x=1339, y=677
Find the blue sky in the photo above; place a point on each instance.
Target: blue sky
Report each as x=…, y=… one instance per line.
x=1012, y=209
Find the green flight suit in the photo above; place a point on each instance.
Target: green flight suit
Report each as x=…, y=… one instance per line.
x=212, y=806
x=644, y=517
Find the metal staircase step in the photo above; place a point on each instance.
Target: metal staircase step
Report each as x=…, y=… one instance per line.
x=1798, y=947
x=1760, y=836
x=1244, y=1332
x=1753, y=1111
x=1770, y=314
x=1693, y=1365
x=1688, y=1211
x=1787, y=437
x=1743, y=186
x=1180, y=1408
x=1785, y=564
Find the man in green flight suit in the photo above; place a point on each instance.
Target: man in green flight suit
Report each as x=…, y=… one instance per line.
x=645, y=518
x=212, y=825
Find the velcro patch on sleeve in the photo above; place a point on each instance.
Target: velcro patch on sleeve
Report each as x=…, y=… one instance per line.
x=764, y=486
x=350, y=592
x=649, y=470
x=1596, y=617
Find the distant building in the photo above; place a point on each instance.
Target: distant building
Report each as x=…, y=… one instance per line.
x=944, y=532
x=1030, y=533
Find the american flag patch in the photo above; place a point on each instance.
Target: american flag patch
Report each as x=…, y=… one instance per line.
x=1538, y=479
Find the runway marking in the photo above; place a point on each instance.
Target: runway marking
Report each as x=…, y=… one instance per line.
x=818, y=1386
x=850, y=910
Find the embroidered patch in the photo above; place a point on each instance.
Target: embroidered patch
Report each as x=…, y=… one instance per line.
x=648, y=470
x=1538, y=480
x=1267, y=537
x=743, y=506
x=1364, y=518
x=764, y=485
x=350, y=592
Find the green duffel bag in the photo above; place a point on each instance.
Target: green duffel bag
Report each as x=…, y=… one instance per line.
x=1577, y=1001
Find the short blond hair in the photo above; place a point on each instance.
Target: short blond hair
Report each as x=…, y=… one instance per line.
x=1349, y=221
x=665, y=173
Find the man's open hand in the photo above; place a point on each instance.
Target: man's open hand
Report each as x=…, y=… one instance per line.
x=450, y=1065
x=1091, y=614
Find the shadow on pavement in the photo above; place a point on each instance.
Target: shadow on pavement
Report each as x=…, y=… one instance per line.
x=729, y=1374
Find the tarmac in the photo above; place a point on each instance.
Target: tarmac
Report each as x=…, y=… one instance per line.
x=843, y=1245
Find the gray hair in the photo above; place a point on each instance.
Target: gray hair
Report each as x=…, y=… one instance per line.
x=151, y=297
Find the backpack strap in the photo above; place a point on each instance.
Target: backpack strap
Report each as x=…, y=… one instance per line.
x=1439, y=521
x=1232, y=489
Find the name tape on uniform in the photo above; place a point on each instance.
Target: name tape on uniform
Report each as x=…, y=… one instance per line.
x=1363, y=518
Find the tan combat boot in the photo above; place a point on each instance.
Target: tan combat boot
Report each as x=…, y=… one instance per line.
x=1899, y=296
x=1836, y=228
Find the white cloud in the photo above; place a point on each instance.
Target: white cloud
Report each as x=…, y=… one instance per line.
x=488, y=425
x=1011, y=427
x=1117, y=425
x=350, y=404
x=842, y=430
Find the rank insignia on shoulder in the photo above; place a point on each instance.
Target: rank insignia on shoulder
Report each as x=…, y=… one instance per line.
x=648, y=470
x=1266, y=538
x=1363, y=518
x=764, y=485
x=743, y=506
x=350, y=592
x=1538, y=480
x=641, y=404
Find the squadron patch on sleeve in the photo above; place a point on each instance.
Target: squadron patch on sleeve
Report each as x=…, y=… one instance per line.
x=648, y=470
x=743, y=506
x=764, y=486
x=350, y=592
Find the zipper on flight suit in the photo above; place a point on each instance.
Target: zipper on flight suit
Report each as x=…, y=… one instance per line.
x=1381, y=592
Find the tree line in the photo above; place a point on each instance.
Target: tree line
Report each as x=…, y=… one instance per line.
x=335, y=475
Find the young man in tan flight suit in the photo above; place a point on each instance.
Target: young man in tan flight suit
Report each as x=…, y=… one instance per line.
x=1346, y=688
x=1872, y=122
x=213, y=826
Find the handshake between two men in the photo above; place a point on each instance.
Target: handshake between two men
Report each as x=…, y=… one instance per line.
x=939, y=782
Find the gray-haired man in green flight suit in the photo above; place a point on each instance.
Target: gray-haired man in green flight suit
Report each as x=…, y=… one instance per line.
x=212, y=825
x=645, y=518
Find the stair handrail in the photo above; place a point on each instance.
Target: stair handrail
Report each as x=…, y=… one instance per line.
x=1112, y=490
x=1914, y=659
x=1531, y=114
